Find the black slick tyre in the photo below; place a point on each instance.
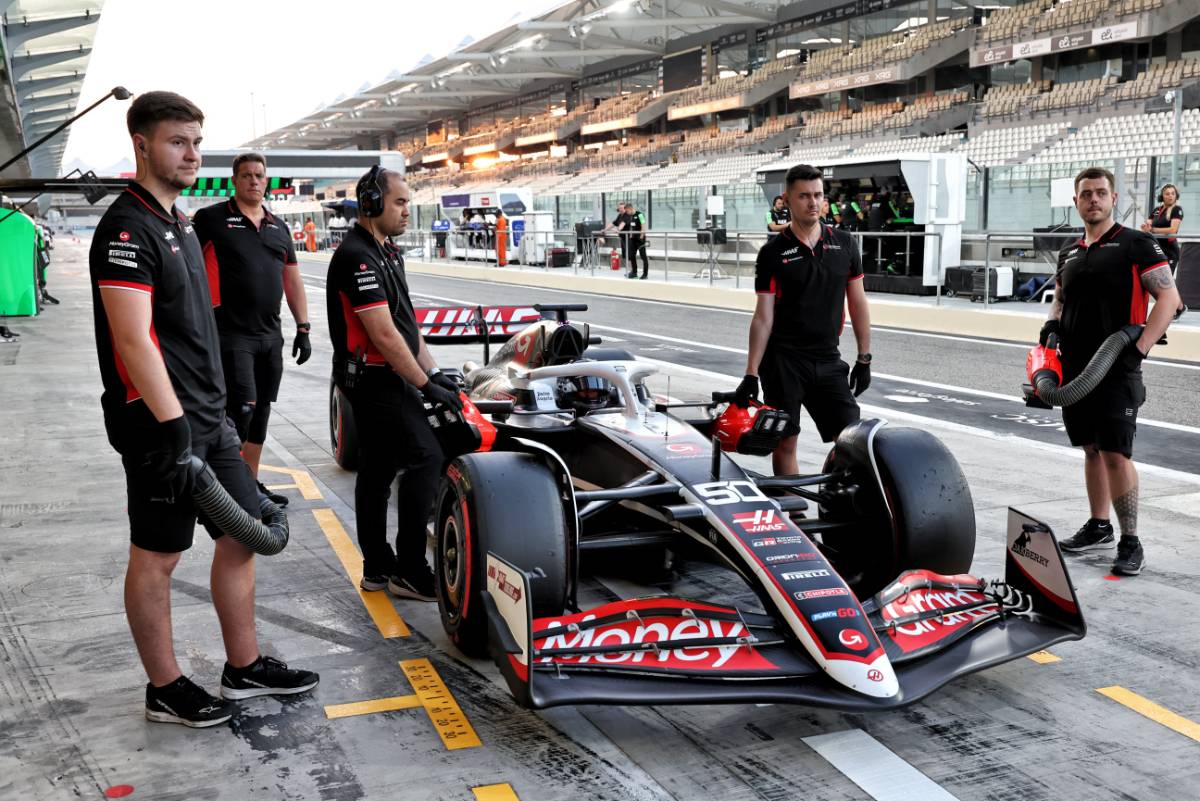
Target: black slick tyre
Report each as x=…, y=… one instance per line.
x=343, y=433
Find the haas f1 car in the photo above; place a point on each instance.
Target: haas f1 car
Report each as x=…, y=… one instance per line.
x=864, y=600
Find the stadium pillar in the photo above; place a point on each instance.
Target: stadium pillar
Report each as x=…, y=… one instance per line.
x=933, y=9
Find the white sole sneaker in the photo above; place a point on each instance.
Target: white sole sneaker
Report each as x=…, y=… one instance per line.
x=167, y=717
x=405, y=591
x=233, y=694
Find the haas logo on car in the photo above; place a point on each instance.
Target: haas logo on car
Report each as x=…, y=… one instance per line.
x=760, y=522
x=854, y=640
x=875, y=675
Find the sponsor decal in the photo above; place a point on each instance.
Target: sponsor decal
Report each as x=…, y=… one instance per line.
x=823, y=615
x=914, y=636
x=637, y=633
x=798, y=575
x=123, y=262
x=854, y=640
x=784, y=558
x=123, y=236
x=1021, y=545
x=760, y=522
x=174, y=248
x=828, y=592
x=502, y=582
x=722, y=493
x=767, y=542
x=233, y=219
x=843, y=612
x=168, y=235
x=362, y=267
x=874, y=675
x=123, y=254
x=188, y=229
x=684, y=450
x=790, y=251
x=231, y=225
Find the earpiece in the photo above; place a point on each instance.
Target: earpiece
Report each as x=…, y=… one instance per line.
x=370, y=193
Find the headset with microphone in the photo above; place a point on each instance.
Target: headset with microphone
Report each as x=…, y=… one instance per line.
x=370, y=193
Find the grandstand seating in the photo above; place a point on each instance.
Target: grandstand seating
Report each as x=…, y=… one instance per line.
x=1127, y=136
x=1011, y=145
x=1039, y=17
x=1154, y=81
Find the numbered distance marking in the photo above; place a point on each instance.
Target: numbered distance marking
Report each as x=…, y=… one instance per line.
x=445, y=714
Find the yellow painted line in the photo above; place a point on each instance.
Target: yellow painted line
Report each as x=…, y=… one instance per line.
x=377, y=603
x=1045, y=658
x=494, y=792
x=447, y=717
x=1147, y=708
x=302, y=481
x=370, y=707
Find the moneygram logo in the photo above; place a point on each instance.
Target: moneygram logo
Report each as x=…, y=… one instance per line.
x=760, y=522
x=854, y=640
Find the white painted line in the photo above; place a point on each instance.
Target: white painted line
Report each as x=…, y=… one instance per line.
x=743, y=313
x=879, y=772
x=895, y=415
x=902, y=379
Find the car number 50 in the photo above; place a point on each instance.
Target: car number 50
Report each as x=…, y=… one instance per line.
x=720, y=493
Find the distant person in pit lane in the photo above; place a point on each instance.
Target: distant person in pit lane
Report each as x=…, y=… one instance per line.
x=1165, y=221
x=778, y=216
x=1105, y=281
x=620, y=224
x=805, y=278
x=163, y=401
x=637, y=241
x=251, y=267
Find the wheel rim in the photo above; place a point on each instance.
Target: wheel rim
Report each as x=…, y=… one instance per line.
x=335, y=421
x=453, y=564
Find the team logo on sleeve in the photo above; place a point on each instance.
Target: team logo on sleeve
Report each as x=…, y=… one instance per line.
x=123, y=236
x=362, y=267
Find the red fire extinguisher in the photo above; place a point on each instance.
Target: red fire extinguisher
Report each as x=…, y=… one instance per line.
x=615, y=262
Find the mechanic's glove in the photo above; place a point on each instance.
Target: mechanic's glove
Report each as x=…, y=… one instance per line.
x=746, y=390
x=1132, y=357
x=444, y=381
x=301, y=347
x=169, y=463
x=1051, y=327
x=435, y=394
x=860, y=378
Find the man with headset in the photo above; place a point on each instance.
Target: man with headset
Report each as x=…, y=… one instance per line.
x=381, y=364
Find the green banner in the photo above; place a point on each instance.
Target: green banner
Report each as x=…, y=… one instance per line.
x=223, y=187
x=18, y=266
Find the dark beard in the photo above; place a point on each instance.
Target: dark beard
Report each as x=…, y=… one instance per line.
x=179, y=183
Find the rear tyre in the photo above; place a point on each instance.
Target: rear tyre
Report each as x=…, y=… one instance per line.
x=343, y=433
x=508, y=504
x=931, y=523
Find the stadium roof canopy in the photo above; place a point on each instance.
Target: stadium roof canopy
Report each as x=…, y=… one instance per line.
x=563, y=44
x=46, y=45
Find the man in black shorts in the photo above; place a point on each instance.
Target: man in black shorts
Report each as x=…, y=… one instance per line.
x=805, y=278
x=381, y=364
x=1105, y=281
x=251, y=266
x=164, y=400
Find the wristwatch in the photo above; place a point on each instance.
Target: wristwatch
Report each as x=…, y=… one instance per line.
x=864, y=358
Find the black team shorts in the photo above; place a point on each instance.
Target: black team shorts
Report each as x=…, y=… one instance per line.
x=253, y=370
x=822, y=386
x=1107, y=418
x=168, y=527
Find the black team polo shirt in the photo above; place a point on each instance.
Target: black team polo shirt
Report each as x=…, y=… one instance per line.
x=809, y=285
x=139, y=247
x=245, y=267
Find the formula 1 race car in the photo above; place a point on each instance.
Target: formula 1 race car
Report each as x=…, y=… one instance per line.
x=859, y=596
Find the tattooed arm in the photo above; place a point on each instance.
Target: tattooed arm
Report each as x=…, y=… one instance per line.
x=1159, y=283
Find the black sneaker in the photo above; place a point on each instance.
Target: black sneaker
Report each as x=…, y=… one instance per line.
x=1130, y=558
x=1092, y=536
x=182, y=701
x=373, y=583
x=273, y=497
x=415, y=584
x=265, y=676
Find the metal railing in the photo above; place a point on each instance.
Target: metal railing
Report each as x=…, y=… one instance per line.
x=733, y=259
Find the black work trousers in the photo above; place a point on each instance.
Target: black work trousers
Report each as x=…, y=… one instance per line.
x=394, y=436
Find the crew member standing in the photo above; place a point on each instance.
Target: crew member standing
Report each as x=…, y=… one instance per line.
x=1165, y=221
x=778, y=216
x=251, y=266
x=310, y=235
x=620, y=224
x=637, y=241
x=805, y=278
x=163, y=401
x=381, y=364
x=1105, y=282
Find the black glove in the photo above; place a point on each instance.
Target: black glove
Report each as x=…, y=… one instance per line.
x=169, y=463
x=746, y=390
x=435, y=394
x=1132, y=357
x=860, y=378
x=1051, y=327
x=444, y=381
x=301, y=347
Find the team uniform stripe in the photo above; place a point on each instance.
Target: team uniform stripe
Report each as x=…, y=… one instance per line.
x=361, y=309
x=130, y=286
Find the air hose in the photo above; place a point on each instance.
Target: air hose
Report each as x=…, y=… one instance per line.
x=268, y=537
x=1045, y=370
